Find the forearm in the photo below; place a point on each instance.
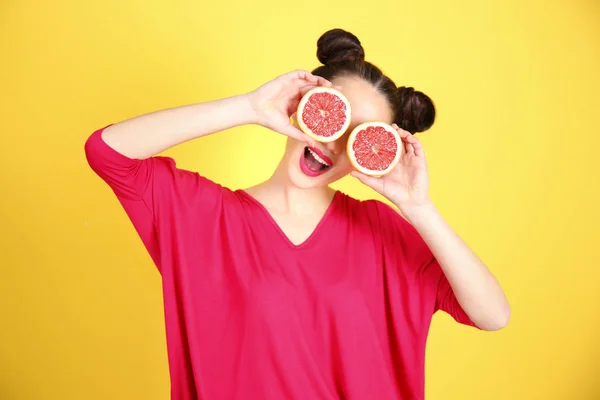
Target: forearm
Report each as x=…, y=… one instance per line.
x=150, y=134
x=476, y=289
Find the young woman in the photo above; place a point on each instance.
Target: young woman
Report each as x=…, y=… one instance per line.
x=290, y=289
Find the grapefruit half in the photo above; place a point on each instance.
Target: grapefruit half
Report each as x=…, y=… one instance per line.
x=374, y=148
x=324, y=114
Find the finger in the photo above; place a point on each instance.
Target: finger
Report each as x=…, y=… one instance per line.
x=417, y=146
x=298, y=73
x=401, y=131
x=323, y=82
x=301, y=92
x=314, y=79
x=374, y=183
x=318, y=80
x=299, y=84
x=403, y=148
x=296, y=98
x=408, y=147
x=297, y=134
x=413, y=145
x=301, y=87
x=304, y=89
x=404, y=135
x=293, y=106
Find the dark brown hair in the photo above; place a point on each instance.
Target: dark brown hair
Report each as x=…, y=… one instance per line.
x=341, y=53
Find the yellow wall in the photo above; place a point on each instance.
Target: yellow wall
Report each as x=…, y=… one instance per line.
x=513, y=162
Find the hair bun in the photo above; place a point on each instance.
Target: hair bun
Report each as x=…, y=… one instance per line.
x=416, y=111
x=338, y=45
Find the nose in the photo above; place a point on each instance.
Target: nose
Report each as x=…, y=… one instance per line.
x=336, y=147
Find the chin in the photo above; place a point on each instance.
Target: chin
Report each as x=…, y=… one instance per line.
x=309, y=168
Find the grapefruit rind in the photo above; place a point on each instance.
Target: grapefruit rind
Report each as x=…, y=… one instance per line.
x=307, y=130
x=352, y=157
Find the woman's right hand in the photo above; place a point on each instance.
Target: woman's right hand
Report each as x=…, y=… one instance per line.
x=276, y=101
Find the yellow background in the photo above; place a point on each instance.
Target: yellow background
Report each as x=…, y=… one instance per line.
x=513, y=162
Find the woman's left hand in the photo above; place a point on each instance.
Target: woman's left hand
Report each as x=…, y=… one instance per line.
x=407, y=185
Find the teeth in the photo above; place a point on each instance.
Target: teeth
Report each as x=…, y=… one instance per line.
x=319, y=159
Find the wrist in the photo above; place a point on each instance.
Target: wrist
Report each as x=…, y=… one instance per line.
x=416, y=213
x=245, y=109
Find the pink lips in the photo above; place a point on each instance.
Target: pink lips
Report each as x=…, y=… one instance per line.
x=307, y=171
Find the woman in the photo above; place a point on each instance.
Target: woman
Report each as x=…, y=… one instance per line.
x=290, y=289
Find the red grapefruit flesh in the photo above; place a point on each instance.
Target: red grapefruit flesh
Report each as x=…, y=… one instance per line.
x=374, y=148
x=324, y=114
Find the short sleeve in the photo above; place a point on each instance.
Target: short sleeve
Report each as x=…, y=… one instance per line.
x=419, y=263
x=150, y=190
x=445, y=298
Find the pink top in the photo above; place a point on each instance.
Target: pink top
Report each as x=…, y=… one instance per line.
x=249, y=315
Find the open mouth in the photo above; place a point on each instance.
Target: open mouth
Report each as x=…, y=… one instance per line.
x=313, y=164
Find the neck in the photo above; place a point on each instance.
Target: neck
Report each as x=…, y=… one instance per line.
x=278, y=194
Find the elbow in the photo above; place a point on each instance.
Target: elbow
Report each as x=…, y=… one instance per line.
x=497, y=320
x=91, y=149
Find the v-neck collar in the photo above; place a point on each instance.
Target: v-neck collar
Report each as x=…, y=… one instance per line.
x=280, y=231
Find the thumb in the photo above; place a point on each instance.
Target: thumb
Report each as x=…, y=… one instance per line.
x=295, y=133
x=372, y=182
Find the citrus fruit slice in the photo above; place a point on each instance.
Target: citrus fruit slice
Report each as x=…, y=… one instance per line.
x=374, y=148
x=324, y=114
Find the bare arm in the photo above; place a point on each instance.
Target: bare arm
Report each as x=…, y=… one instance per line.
x=476, y=289
x=149, y=134
x=270, y=105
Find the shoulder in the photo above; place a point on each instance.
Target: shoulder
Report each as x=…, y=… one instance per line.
x=380, y=216
x=395, y=230
x=169, y=173
x=377, y=211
